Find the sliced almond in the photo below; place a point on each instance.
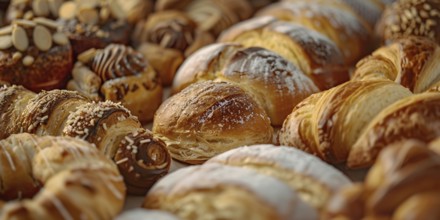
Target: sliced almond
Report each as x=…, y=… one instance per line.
x=17, y=55
x=60, y=38
x=104, y=14
x=19, y=38
x=28, y=60
x=6, y=30
x=88, y=16
x=24, y=23
x=87, y=55
x=5, y=42
x=47, y=22
x=54, y=6
x=116, y=10
x=28, y=15
x=42, y=38
x=68, y=10
x=40, y=7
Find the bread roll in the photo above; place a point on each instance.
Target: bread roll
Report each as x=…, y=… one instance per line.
x=316, y=55
x=222, y=192
x=209, y=118
x=314, y=180
x=275, y=83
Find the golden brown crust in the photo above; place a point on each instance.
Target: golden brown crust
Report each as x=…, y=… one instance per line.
x=209, y=118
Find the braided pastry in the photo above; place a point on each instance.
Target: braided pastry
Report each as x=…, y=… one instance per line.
x=328, y=124
x=402, y=184
x=316, y=55
x=411, y=62
x=119, y=74
x=140, y=158
x=275, y=83
x=66, y=178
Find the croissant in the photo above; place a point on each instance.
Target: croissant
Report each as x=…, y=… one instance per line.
x=411, y=62
x=275, y=83
x=402, y=184
x=338, y=22
x=166, y=38
x=119, y=74
x=57, y=178
x=140, y=158
x=410, y=18
x=316, y=55
x=328, y=124
x=212, y=16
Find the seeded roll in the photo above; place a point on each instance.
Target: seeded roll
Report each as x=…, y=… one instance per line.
x=140, y=157
x=276, y=84
x=315, y=54
x=406, y=18
x=166, y=39
x=35, y=54
x=94, y=24
x=120, y=74
x=28, y=9
x=209, y=118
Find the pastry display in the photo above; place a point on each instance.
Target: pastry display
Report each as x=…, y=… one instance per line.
x=225, y=192
x=402, y=184
x=120, y=74
x=209, y=118
x=166, y=39
x=141, y=158
x=275, y=83
x=57, y=178
x=29, y=48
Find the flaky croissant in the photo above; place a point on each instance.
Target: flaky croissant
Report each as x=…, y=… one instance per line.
x=141, y=158
x=402, y=184
x=329, y=123
x=411, y=62
x=67, y=178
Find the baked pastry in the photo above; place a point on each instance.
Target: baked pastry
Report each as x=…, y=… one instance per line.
x=314, y=180
x=94, y=24
x=402, y=184
x=66, y=178
x=214, y=191
x=213, y=16
x=29, y=9
x=209, y=118
x=166, y=39
x=120, y=74
x=275, y=83
x=411, y=62
x=316, y=55
x=139, y=213
x=141, y=158
x=328, y=124
x=29, y=48
x=350, y=33
x=136, y=10
x=410, y=18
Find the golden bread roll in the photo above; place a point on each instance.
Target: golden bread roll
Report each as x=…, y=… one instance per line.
x=214, y=191
x=119, y=74
x=141, y=158
x=57, y=178
x=314, y=180
x=212, y=16
x=35, y=54
x=275, y=83
x=411, y=117
x=316, y=55
x=136, y=10
x=209, y=118
x=411, y=62
x=94, y=24
x=351, y=34
x=166, y=38
x=406, y=18
x=329, y=123
x=402, y=184
x=139, y=213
